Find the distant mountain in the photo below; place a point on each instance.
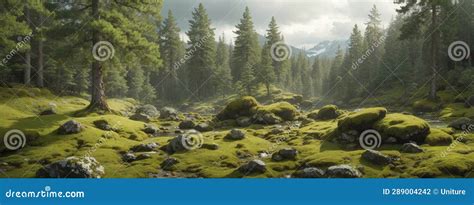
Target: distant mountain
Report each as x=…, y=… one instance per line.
x=324, y=49
x=327, y=48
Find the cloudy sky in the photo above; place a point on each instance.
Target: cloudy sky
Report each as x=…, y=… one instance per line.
x=304, y=23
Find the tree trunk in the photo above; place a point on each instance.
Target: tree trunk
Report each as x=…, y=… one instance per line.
x=40, y=73
x=98, y=100
x=434, y=51
x=267, y=85
x=27, y=70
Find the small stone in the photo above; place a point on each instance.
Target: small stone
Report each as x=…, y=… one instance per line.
x=236, y=134
x=203, y=127
x=342, y=171
x=169, y=113
x=285, y=154
x=411, y=148
x=128, y=157
x=70, y=127
x=376, y=157
x=49, y=111
x=103, y=125
x=144, y=147
x=143, y=156
x=168, y=163
x=148, y=110
x=140, y=117
x=187, y=124
x=254, y=166
x=310, y=172
x=150, y=129
x=212, y=146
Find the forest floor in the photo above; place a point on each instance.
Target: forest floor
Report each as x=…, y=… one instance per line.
x=297, y=141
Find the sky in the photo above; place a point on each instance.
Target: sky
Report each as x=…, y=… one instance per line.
x=304, y=23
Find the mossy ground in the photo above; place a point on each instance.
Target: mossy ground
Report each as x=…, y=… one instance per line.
x=19, y=108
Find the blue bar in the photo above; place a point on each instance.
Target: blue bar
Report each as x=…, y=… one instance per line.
x=240, y=191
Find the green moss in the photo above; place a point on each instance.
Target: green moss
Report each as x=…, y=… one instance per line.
x=328, y=112
x=438, y=137
x=456, y=110
x=403, y=127
x=362, y=119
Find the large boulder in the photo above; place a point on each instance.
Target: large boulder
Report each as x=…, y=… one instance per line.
x=253, y=166
x=72, y=167
x=425, y=106
x=243, y=121
x=328, y=112
x=404, y=128
x=149, y=110
x=70, y=127
x=141, y=117
x=244, y=106
x=342, y=171
x=438, y=137
x=284, y=110
x=266, y=118
x=187, y=124
x=462, y=123
x=184, y=142
x=361, y=120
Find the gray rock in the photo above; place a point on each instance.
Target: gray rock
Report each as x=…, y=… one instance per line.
x=391, y=140
x=461, y=123
x=411, y=148
x=169, y=113
x=244, y=121
x=49, y=111
x=103, y=125
x=236, y=134
x=72, y=167
x=129, y=157
x=212, y=146
x=141, y=117
x=376, y=157
x=347, y=138
x=150, y=129
x=168, y=163
x=149, y=110
x=144, y=147
x=285, y=154
x=143, y=156
x=203, y=127
x=184, y=142
x=309, y=172
x=254, y=166
x=187, y=124
x=342, y=171
x=70, y=127
x=266, y=118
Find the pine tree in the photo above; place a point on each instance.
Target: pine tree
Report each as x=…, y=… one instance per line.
x=246, y=52
x=223, y=77
x=202, y=49
x=266, y=74
x=373, y=41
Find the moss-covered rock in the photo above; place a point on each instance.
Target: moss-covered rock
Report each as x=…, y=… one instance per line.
x=437, y=137
x=244, y=106
x=284, y=110
x=425, y=106
x=404, y=128
x=327, y=112
x=361, y=120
